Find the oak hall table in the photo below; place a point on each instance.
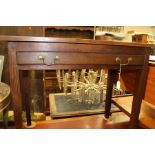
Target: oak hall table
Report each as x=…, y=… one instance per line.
x=44, y=53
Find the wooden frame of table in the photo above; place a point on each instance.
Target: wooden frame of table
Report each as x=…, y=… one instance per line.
x=43, y=53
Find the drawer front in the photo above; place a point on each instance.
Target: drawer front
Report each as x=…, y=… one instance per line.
x=49, y=58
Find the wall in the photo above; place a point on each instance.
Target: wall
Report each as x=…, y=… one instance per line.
x=128, y=37
x=137, y=29
x=143, y=29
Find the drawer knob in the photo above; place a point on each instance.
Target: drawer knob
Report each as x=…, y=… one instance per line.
x=129, y=59
x=56, y=59
x=40, y=57
x=118, y=59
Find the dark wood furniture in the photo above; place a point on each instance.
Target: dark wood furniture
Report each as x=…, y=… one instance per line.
x=43, y=53
x=150, y=85
x=83, y=32
x=37, y=31
x=50, y=83
x=31, y=78
x=39, y=79
x=128, y=81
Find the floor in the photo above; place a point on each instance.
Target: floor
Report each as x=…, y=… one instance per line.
x=117, y=121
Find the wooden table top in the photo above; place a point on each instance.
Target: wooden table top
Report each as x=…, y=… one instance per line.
x=70, y=40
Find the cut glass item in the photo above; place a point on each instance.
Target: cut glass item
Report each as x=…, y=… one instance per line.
x=84, y=85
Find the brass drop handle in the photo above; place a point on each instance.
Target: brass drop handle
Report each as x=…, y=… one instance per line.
x=118, y=59
x=42, y=58
x=56, y=59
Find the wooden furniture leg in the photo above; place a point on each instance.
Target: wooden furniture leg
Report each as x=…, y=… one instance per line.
x=15, y=85
x=111, y=74
x=138, y=96
x=27, y=97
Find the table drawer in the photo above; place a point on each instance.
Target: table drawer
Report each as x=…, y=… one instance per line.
x=49, y=58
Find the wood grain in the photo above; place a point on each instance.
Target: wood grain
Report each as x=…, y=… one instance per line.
x=68, y=40
x=15, y=85
x=89, y=53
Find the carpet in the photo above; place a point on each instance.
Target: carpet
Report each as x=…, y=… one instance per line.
x=63, y=106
